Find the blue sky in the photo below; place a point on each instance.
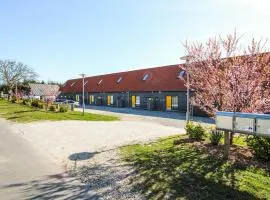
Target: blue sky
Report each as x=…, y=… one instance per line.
x=62, y=38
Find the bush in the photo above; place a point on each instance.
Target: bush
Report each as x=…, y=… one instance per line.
x=40, y=105
x=63, y=109
x=25, y=101
x=52, y=108
x=260, y=146
x=13, y=99
x=195, y=131
x=215, y=136
x=34, y=103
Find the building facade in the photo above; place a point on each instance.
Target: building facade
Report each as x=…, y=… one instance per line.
x=43, y=91
x=158, y=88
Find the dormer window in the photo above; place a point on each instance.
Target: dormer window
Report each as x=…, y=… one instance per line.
x=181, y=74
x=85, y=83
x=100, y=81
x=119, y=79
x=72, y=84
x=145, y=77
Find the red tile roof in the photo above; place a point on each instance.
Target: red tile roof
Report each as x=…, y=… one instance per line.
x=159, y=79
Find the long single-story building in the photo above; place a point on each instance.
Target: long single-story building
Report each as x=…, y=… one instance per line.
x=43, y=91
x=158, y=88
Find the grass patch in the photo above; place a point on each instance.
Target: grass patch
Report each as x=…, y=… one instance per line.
x=20, y=113
x=167, y=170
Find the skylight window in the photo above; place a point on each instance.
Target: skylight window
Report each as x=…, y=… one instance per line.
x=181, y=74
x=119, y=79
x=85, y=82
x=72, y=84
x=145, y=77
x=100, y=81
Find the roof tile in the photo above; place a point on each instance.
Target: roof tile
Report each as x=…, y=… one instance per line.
x=159, y=79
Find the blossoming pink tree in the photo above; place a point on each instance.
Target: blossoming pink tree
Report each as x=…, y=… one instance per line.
x=228, y=77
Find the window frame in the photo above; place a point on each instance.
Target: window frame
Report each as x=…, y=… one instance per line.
x=111, y=99
x=100, y=81
x=137, y=100
x=174, y=100
x=119, y=79
x=145, y=77
x=92, y=98
x=77, y=98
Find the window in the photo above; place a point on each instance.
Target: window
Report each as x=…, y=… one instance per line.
x=181, y=74
x=138, y=100
x=175, y=102
x=119, y=79
x=85, y=83
x=100, y=81
x=145, y=77
x=72, y=84
x=111, y=100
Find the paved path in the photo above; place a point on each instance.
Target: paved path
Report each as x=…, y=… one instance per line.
x=62, y=139
x=27, y=173
x=172, y=119
x=28, y=151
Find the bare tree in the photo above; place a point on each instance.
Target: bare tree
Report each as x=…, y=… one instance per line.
x=12, y=72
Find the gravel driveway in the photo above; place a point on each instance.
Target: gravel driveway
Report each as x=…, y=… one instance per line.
x=88, y=149
x=64, y=138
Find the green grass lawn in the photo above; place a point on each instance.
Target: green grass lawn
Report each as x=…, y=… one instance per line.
x=20, y=113
x=167, y=170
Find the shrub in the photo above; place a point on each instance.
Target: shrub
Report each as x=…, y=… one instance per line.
x=52, y=108
x=195, y=131
x=13, y=99
x=25, y=101
x=40, y=105
x=34, y=103
x=215, y=136
x=260, y=146
x=63, y=109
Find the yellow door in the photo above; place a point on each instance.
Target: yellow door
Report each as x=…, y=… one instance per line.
x=168, y=102
x=108, y=100
x=133, y=101
x=91, y=99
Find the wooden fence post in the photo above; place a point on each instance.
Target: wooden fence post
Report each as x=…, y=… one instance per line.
x=226, y=144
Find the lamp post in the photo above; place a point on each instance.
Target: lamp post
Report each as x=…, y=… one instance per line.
x=182, y=75
x=83, y=76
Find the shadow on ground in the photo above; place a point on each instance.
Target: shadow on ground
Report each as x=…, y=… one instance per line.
x=177, y=172
x=81, y=156
x=183, y=173
x=58, y=186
